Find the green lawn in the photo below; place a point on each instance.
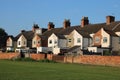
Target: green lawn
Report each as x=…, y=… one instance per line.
x=13, y=70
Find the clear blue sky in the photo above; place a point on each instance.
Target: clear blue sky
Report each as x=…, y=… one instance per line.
x=16, y=15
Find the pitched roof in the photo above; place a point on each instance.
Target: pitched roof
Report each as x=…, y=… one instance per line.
x=111, y=33
x=84, y=34
x=60, y=36
x=27, y=34
x=12, y=37
x=92, y=28
x=114, y=26
x=53, y=30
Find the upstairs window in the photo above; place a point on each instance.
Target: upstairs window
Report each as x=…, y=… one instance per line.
x=34, y=42
x=50, y=41
x=18, y=42
x=104, y=39
x=78, y=40
x=69, y=40
x=97, y=39
x=55, y=41
x=38, y=42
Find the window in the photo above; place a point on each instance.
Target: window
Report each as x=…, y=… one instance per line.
x=34, y=42
x=55, y=42
x=78, y=40
x=18, y=42
x=97, y=39
x=104, y=39
x=38, y=42
x=69, y=40
x=50, y=41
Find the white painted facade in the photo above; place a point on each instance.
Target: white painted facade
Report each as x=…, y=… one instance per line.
x=77, y=36
x=55, y=42
x=83, y=43
x=22, y=41
x=107, y=36
x=9, y=42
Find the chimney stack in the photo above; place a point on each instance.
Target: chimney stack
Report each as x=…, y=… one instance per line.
x=50, y=25
x=109, y=19
x=22, y=31
x=35, y=26
x=66, y=23
x=84, y=21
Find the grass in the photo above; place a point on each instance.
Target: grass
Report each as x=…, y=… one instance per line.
x=18, y=70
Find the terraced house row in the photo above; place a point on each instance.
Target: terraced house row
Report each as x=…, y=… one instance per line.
x=69, y=39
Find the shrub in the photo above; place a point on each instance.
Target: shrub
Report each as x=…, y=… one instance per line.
x=106, y=53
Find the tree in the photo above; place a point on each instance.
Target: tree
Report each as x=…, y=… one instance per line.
x=3, y=38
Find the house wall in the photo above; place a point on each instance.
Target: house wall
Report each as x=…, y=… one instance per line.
x=76, y=36
x=23, y=41
x=53, y=38
x=115, y=44
x=70, y=36
x=62, y=43
x=104, y=34
x=36, y=41
x=9, y=42
x=85, y=43
x=101, y=34
x=98, y=34
x=118, y=45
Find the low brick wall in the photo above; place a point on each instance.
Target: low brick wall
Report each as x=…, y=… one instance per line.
x=37, y=56
x=8, y=55
x=50, y=56
x=95, y=60
x=85, y=59
x=58, y=58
